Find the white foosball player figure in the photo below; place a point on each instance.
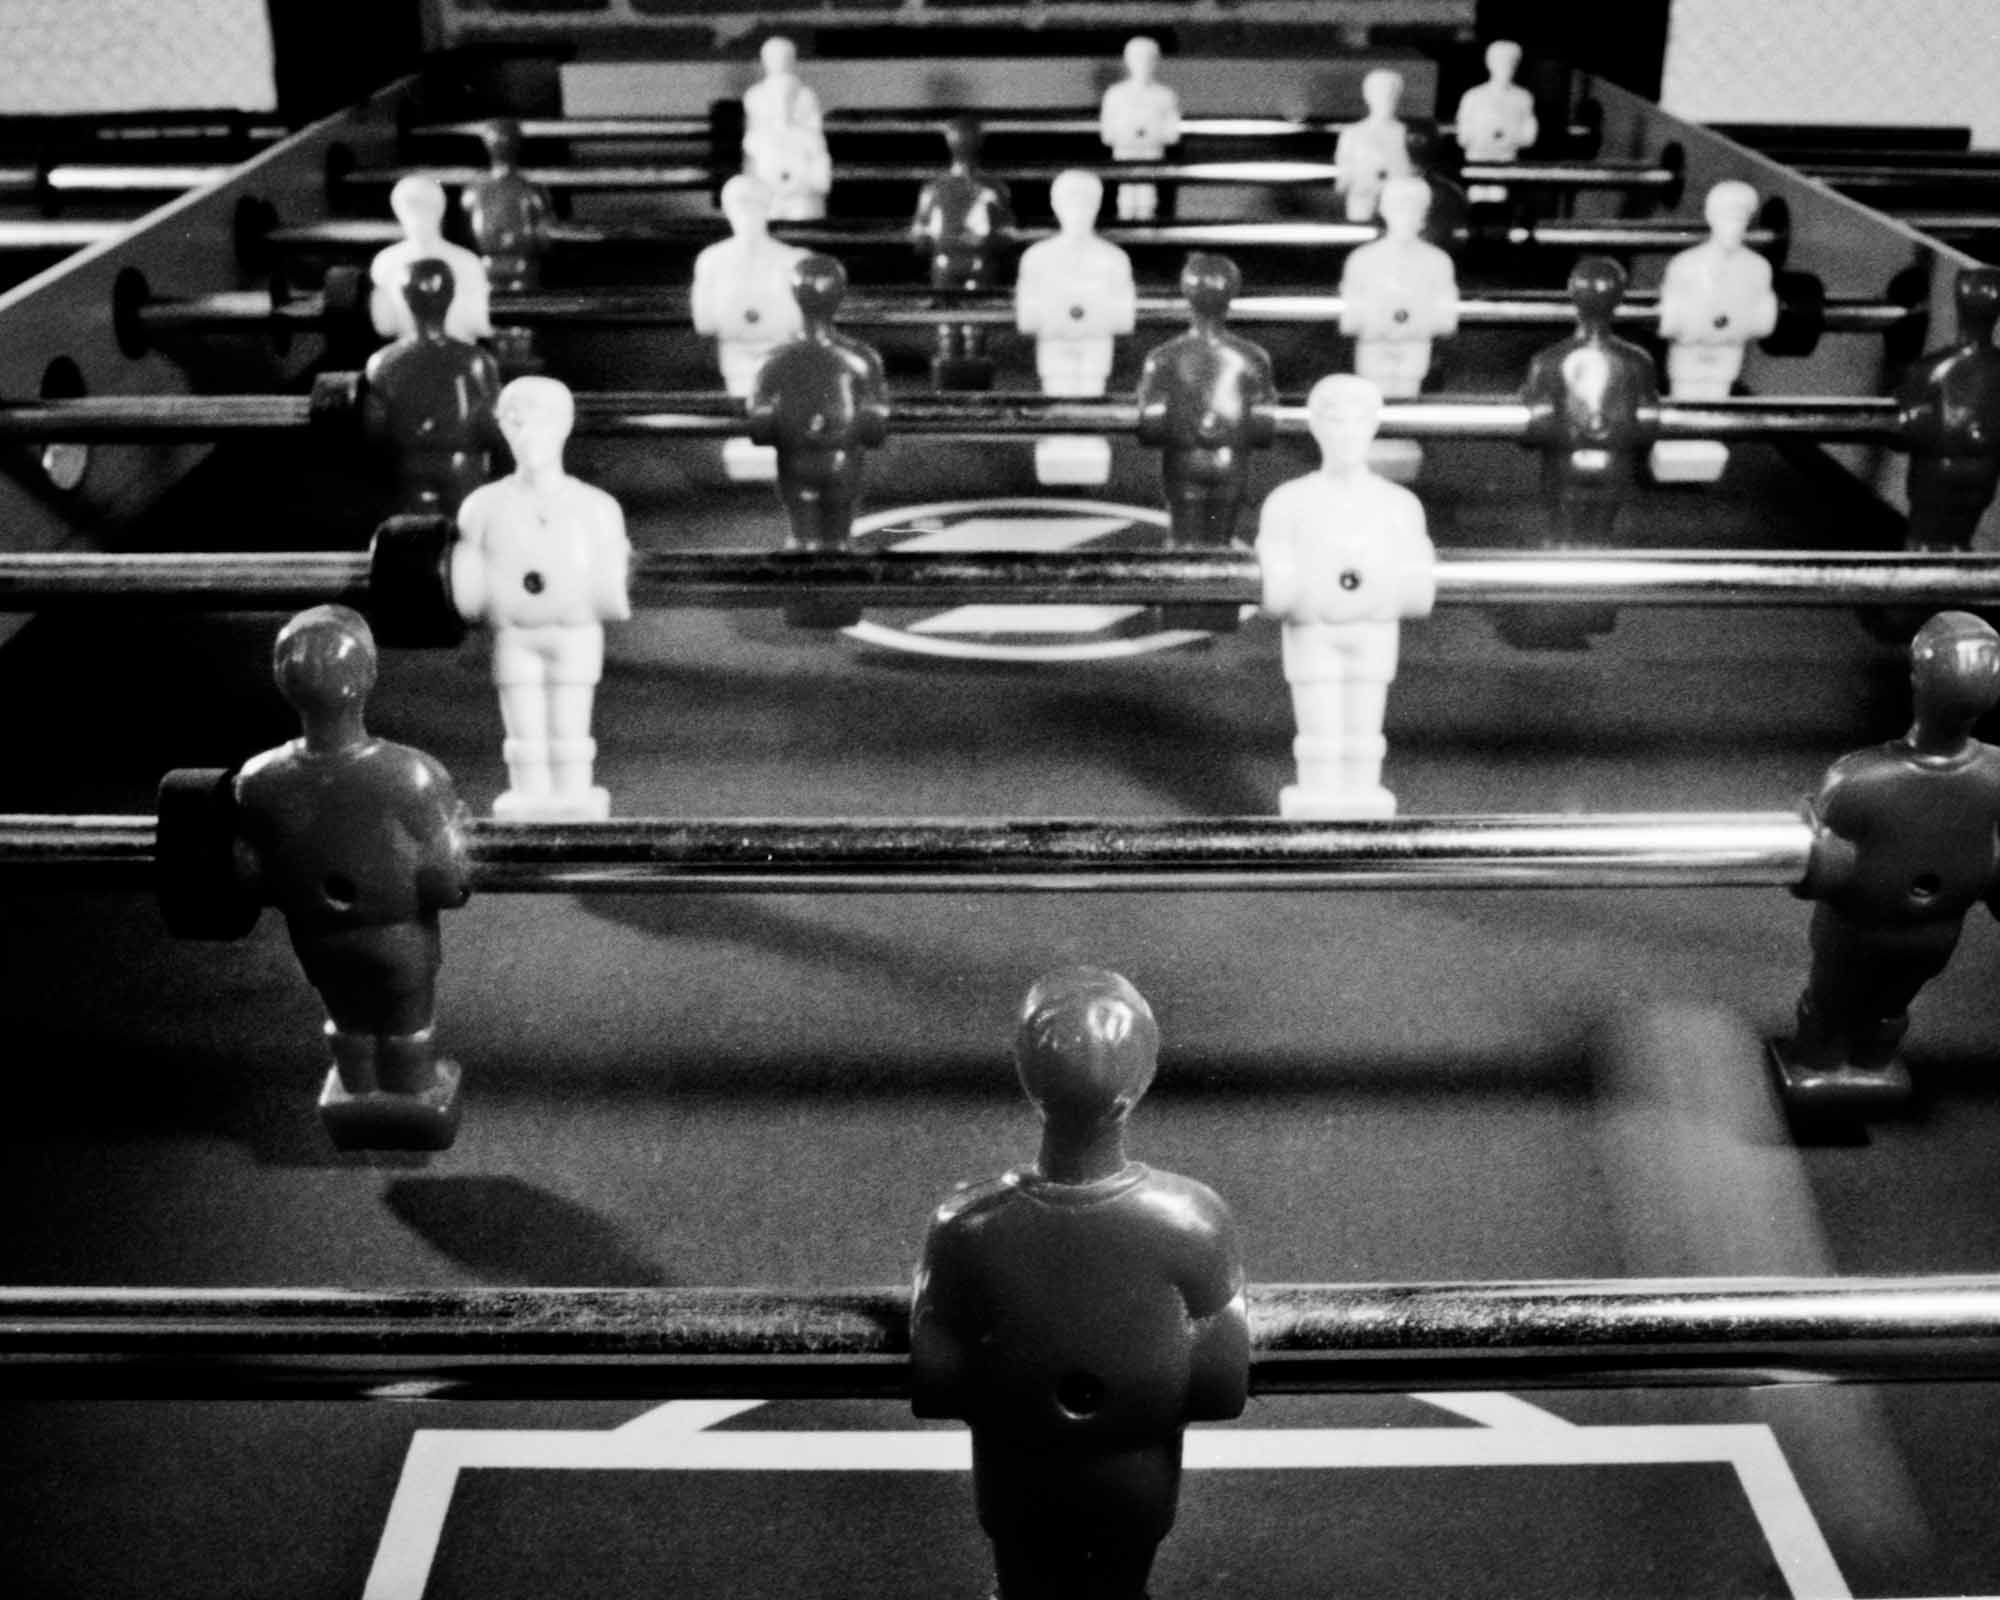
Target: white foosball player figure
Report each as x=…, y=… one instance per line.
x=784, y=142
x=1345, y=556
x=1715, y=299
x=418, y=203
x=1496, y=119
x=742, y=299
x=1398, y=294
x=1370, y=152
x=542, y=558
x=1075, y=296
x=1139, y=120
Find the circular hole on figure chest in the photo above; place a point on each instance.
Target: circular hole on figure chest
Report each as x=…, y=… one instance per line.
x=1080, y=1394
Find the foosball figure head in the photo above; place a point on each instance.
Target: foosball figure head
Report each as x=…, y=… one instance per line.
x=1954, y=677
x=418, y=205
x=746, y=206
x=1728, y=211
x=324, y=664
x=1142, y=58
x=1343, y=413
x=819, y=284
x=962, y=139
x=779, y=57
x=1503, y=60
x=1596, y=288
x=1086, y=1047
x=1976, y=293
x=1382, y=92
x=1404, y=207
x=536, y=415
x=1076, y=197
x=1209, y=284
x=502, y=138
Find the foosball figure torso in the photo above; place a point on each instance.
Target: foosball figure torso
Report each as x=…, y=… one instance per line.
x=1904, y=845
x=964, y=225
x=1346, y=556
x=1951, y=422
x=1075, y=296
x=1204, y=399
x=1715, y=298
x=742, y=298
x=419, y=205
x=1399, y=294
x=784, y=139
x=1370, y=152
x=542, y=558
x=428, y=402
x=1080, y=1313
x=1139, y=119
x=1496, y=119
x=359, y=844
x=822, y=401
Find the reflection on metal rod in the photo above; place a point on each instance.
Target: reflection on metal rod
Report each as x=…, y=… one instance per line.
x=516, y=1344
x=289, y=580
x=702, y=413
x=649, y=308
x=608, y=176
x=924, y=855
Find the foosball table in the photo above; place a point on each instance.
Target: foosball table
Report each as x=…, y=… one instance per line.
x=1438, y=629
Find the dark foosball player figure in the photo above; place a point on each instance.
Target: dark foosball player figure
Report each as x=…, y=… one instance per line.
x=1906, y=840
x=508, y=216
x=359, y=843
x=1204, y=402
x=1950, y=403
x=1080, y=1313
x=428, y=403
x=822, y=400
x=1448, y=223
x=1591, y=400
x=964, y=224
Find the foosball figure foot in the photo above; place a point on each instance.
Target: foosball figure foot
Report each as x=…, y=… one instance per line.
x=1553, y=627
x=821, y=616
x=1368, y=803
x=1073, y=459
x=1689, y=461
x=381, y=1119
x=960, y=373
x=1838, y=1093
x=1398, y=460
x=591, y=804
x=746, y=461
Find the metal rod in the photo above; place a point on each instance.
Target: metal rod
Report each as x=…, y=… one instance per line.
x=369, y=234
x=519, y=1344
x=900, y=125
x=704, y=414
x=151, y=418
x=289, y=581
x=26, y=235
x=1062, y=855
x=649, y=308
x=658, y=177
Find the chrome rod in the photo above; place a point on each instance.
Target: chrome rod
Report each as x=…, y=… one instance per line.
x=1066, y=855
x=289, y=580
x=527, y=1343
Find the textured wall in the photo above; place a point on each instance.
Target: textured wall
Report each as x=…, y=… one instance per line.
x=1915, y=61
x=118, y=55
